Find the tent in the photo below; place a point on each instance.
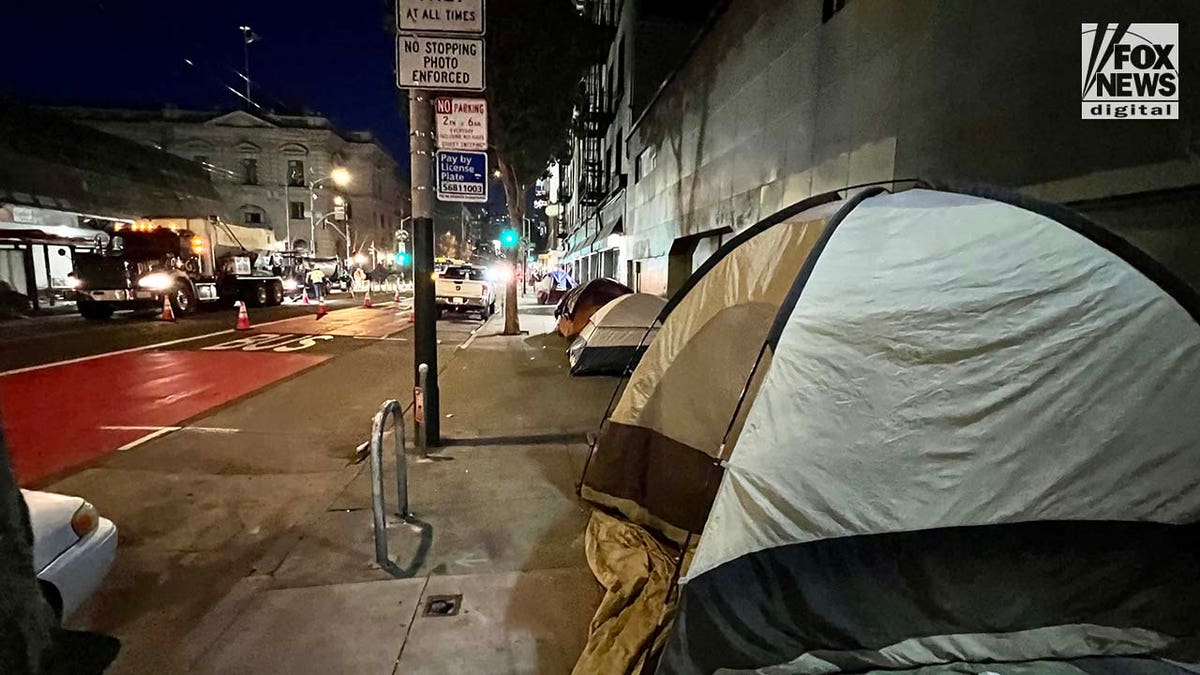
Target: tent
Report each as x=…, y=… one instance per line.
x=654, y=460
x=616, y=335
x=578, y=305
x=968, y=434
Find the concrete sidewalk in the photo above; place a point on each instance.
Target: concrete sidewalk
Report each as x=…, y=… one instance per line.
x=500, y=527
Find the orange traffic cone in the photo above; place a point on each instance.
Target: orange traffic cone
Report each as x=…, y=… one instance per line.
x=243, y=321
x=321, y=311
x=168, y=314
x=367, y=300
x=306, y=295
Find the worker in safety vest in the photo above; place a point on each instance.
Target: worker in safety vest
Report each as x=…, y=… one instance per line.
x=316, y=278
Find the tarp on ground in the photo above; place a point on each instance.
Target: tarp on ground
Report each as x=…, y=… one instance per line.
x=616, y=335
x=635, y=570
x=974, y=438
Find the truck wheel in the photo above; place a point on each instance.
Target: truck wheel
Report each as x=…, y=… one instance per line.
x=182, y=301
x=492, y=308
x=260, y=295
x=276, y=292
x=94, y=311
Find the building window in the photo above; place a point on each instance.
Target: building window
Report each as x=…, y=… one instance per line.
x=296, y=210
x=644, y=163
x=621, y=68
x=619, y=164
x=253, y=217
x=249, y=171
x=295, y=174
x=831, y=7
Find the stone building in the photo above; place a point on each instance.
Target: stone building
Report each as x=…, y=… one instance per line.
x=776, y=101
x=261, y=165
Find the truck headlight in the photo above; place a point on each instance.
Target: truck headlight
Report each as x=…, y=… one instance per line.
x=158, y=281
x=290, y=285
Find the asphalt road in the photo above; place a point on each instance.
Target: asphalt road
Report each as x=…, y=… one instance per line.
x=49, y=339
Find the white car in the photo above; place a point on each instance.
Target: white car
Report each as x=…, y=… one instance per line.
x=73, y=547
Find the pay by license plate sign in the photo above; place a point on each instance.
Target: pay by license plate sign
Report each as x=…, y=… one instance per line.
x=462, y=176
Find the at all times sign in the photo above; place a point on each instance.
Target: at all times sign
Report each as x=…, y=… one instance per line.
x=441, y=16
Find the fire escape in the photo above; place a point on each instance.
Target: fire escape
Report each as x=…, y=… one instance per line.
x=593, y=116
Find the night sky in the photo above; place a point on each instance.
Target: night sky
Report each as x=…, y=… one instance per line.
x=335, y=58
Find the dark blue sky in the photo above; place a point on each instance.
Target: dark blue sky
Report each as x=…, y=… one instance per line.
x=334, y=57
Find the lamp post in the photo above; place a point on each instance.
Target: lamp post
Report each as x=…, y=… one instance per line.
x=340, y=178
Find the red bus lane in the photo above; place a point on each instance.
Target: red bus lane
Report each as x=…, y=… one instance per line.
x=66, y=415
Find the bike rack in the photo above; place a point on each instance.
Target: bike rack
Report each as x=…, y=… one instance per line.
x=378, y=507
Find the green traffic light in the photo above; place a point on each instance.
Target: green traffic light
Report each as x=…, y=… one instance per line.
x=508, y=238
x=402, y=258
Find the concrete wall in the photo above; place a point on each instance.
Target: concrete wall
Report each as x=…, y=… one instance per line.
x=776, y=105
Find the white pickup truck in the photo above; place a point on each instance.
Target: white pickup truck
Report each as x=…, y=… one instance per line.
x=465, y=288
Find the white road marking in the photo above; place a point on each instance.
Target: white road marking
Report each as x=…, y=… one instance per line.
x=131, y=350
x=148, y=437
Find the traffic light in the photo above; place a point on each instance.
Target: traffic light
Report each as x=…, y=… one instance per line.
x=509, y=238
x=402, y=258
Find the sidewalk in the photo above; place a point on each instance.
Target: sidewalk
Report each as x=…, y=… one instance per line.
x=503, y=529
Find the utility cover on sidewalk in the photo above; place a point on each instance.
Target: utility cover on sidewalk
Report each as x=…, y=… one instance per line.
x=442, y=605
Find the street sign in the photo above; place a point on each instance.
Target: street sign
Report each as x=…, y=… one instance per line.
x=440, y=16
x=462, y=123
x=446, y=63
x=462, y=176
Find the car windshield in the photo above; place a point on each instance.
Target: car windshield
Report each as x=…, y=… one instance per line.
x=467, y=273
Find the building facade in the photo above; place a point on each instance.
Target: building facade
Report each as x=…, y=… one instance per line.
x=263, y=164
x=777, y=101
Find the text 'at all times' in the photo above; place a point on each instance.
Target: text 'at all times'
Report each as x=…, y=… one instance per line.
x=441, y=13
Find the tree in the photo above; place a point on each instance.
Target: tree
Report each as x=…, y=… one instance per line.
x=537, y=51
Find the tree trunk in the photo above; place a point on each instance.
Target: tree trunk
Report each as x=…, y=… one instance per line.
x=516, y=210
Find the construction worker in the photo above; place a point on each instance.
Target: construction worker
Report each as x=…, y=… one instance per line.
x=316, y=278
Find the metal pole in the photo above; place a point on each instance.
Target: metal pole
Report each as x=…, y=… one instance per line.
x=312, y=219
x=377, y=502
x=420, y=123
x=287, y=214
x=422, y=447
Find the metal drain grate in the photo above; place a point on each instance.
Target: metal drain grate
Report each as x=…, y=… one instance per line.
x=442, y=605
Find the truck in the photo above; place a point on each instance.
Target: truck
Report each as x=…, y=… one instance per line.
x=465, y=288
x=191, y=262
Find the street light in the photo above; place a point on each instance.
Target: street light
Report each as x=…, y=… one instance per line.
x=340, y=177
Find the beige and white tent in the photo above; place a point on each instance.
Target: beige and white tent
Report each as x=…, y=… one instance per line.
x=655, y=458
x=616, y=336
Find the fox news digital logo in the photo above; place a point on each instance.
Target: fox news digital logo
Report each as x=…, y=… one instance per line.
x=1130, y=71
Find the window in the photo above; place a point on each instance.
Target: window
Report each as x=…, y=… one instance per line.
x=831, y=7
x=621, y=68
x=252, y=217
x=644, y=163
x=296, y=210
x=617, y=161
x=249, y=171
x=295, y=174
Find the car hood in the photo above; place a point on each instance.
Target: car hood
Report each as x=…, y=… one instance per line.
x=50, y=515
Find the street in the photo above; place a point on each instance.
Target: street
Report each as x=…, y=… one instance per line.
x=242, y=481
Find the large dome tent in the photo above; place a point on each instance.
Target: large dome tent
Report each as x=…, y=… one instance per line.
x=653, y=460
x=969, y=433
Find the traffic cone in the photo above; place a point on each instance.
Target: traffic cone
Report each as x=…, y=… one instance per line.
x=168, y=314
x=306, y=295
x=321, y=311
x=367, y=300
x=243, y=321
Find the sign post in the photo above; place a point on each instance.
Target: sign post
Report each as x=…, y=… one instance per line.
x=439, y=46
